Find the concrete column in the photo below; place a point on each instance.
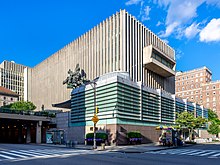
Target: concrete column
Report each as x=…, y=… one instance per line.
x=20, y=134
x=28, y=139
x=38, y=132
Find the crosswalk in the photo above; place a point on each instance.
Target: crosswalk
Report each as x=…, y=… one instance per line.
x=189, y=152
x=18, y=155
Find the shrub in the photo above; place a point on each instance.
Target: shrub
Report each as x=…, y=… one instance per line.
x=134, y=137
x=134, y=134
x=102, y=136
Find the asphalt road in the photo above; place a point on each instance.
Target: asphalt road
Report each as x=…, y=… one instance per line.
x=41, y=155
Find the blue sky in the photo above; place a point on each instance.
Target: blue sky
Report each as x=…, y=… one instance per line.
x=31, y=31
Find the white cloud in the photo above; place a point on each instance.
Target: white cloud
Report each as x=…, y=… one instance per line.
x=178, y=54
x=162, y=3
x=180, y=13
x=166, y=41
x=169, y=29
x=133, y=2
x=211, y=32
x=146, y=14
x=192, y=30
x=159, y=23
x=213, y=2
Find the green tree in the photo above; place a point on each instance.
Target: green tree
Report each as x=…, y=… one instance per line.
x=188, y=121
x=212, y=116
x=21, y=105
x=214, y=127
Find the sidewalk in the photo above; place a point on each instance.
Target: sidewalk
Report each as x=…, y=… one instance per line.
x=137, y=148
x=125, y=149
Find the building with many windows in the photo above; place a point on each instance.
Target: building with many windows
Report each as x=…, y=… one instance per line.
x=196, y=86
x=7, y=96
x=12, y=77
x=125, y=106
x=119, y=43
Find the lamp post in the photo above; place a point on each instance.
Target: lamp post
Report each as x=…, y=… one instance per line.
x=94, y=127
x=95, y=118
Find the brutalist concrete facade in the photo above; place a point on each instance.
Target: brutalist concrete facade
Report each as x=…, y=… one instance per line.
x=120, y=43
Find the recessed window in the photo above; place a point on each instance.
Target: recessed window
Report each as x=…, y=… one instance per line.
x=207, y=99
x=4, y=98
x=11, y=99
x=214, y=93
x=214, y=87
x=207, y=93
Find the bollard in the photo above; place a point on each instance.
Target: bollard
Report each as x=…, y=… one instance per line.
x=103, y=146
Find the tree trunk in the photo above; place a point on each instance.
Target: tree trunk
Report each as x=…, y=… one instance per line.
x=190, y=134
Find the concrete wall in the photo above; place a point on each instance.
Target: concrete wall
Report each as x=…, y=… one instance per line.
x=149, y=134
x=113, y=45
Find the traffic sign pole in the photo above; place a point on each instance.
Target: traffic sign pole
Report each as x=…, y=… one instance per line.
x=94, y=129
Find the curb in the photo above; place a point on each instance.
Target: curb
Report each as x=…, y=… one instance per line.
x=154, y=150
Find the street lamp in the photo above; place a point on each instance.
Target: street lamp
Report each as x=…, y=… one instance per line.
x=77, y=78
x=95, y=118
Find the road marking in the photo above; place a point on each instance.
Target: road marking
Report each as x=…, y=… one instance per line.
x=28, y=154
x=9, y=153
x=20, y=155
x=36, y=153
x=8, y=157
x=216, y=155
x=187, y=152
x=197, y=153
x=208, y=153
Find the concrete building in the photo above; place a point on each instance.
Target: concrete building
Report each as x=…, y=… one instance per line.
x=120, y=43
x=125, y=106
x=12, y=77
x=7, y=96
x=197, y=86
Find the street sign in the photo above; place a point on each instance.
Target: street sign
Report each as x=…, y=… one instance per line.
x=95, y=119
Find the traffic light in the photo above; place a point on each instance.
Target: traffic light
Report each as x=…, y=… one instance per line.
x=96, y=110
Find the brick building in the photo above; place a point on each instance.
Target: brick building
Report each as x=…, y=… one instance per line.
x=197, y=86
x=7, y=96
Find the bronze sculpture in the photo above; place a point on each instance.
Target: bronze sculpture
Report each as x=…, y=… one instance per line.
x=76, y=78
